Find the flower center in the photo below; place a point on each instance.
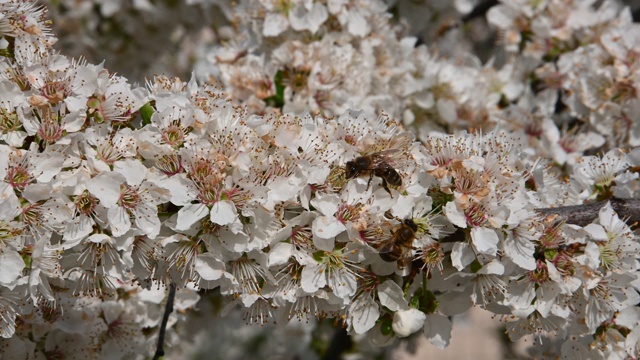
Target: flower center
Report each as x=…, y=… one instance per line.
x=129, y=198
x=18, y=177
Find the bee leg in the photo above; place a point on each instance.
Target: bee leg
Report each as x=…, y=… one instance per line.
x=369, y=182
x=386, y=187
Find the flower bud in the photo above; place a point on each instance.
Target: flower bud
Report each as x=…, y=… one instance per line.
x=406, y=322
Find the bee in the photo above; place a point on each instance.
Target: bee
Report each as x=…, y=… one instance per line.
x=400, y=244
x=376, y=164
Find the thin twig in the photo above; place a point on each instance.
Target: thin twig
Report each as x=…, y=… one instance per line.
x=168, y=309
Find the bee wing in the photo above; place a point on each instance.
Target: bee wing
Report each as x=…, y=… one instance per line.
x=386, y=247
x=383, y=158
x=401, y=141
x=395, y=150
x=379, y=234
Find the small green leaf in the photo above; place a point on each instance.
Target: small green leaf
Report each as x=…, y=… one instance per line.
x=145, y=112
x=428, y=303
x=475, y=266
x=550, y=254
x=319, y=255
x=277, y=100
x=93, y=103
x=386, y=327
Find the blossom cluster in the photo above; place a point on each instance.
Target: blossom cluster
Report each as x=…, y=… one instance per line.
x=110, y=192
x=567, y=81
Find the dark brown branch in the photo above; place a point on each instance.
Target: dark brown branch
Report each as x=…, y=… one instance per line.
x=627, y=209
x=168, y=309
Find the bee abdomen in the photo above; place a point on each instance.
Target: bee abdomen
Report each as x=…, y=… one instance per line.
x=390, y=174
x=390, y=256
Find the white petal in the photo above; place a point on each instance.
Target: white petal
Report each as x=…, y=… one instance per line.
x=208, y=267
x=485, y=240
x=317, y=16
x=106, y=187
x=118, y=220
x=236, y=242
x=437, y=329
x=327, y=227
x=568, y=285
x=12, y=265
x=9, y=202
x=454, y=303
x=190, y=214
x=343, y=284
x=324, y=244
x=592, y=255
x=391, y=296
x=327, y=204
x=77, y=230
x=493, y=267
x=521, y=252
x=154, y=295
x=274, y=24
x=462, y=255
x=146, y=219
x=48, y=166
x=132, y=170
x=181, y=193
x=629, y=317
x=312, y=279
x=364, y=313
x=357, y=24
x=455, y=215
x=73, y=121
x=280, y=254
x=281, y=189
x=301, y=20
x=186, y=298
x=99, y=238
x=597, y=232
x=224, y=213
x=520, y=296
x=403, y=207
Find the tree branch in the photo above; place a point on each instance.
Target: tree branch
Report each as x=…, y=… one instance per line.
x=627, y=209
x=168, y=309
x=635, y=15
x=478, y=11
x=340, y=343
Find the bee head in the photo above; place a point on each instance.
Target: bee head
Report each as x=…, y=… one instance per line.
x=410, y=223
x=351, y=170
